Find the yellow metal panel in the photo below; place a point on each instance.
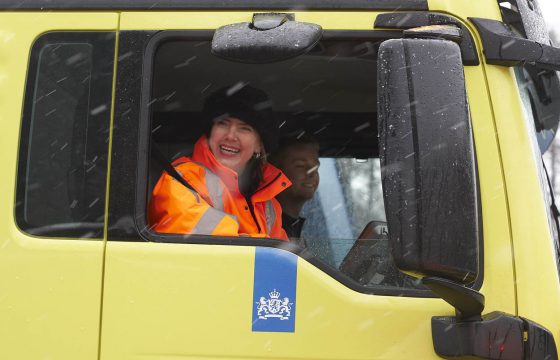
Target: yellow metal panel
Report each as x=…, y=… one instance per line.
x=498, y=286
x=196, y=301
x=374, y=324
x=50, y=296
x=467, y=8
x=18, y=31
x=329, y=20
x=50, y=289
x=211, y=20
x=538, y=290
x=33, y=23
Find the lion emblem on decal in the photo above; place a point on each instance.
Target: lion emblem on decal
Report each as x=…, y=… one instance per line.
x=274, y=307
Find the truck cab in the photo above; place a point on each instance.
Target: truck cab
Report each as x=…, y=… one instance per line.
x=433, y=232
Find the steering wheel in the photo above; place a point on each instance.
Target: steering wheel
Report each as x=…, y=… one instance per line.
x=369, y=261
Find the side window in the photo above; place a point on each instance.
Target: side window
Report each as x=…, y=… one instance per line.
x=540, y=95
x=541, y=113
x=346, y=223
x=326, y=97
x=342, y=206
x=62, y=166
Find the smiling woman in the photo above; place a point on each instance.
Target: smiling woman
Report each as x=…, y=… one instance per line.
x=234, y=142
x=229, y=188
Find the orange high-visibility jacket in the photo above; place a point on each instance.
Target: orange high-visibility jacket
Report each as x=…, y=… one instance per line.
x=216, y=207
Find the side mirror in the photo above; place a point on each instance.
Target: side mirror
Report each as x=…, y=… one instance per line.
x=430, y=193
x=269, y=38
x=427, y=159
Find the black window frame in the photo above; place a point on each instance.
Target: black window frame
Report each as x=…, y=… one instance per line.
x=103, y=46
x=127, y=209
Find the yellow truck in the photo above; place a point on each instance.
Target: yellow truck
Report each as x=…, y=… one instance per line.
x=432, y=117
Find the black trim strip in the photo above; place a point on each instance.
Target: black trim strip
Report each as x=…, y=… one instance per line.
x=125, y=142
x=214, y=5
x=501, y=46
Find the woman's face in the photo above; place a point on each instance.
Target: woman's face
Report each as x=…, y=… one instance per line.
x=233, y=142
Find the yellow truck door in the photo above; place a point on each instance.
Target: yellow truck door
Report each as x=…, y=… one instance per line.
x=202, y=296
x=56, y=95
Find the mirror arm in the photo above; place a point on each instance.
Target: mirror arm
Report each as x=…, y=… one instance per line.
x=468, y=303
x=503, y=47
x=496, y=335
x=409, y=20
x=267, y=21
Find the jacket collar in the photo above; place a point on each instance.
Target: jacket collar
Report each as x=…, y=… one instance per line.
x=274, y=181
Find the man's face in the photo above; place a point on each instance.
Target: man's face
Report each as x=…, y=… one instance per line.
x=300, y=163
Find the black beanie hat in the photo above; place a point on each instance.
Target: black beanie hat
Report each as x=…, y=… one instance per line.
x=249, y=105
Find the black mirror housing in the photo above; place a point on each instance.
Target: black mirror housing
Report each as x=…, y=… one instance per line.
x=503, y=47
x=269, y=38
x=427, y=159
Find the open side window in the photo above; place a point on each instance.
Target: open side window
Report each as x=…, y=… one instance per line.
x=327, y=95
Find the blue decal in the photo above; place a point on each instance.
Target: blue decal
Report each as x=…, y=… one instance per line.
x=274, y=290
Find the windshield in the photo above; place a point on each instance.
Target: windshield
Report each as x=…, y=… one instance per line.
x=550, y=10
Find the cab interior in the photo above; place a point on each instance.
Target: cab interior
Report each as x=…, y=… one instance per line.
x=328, y=93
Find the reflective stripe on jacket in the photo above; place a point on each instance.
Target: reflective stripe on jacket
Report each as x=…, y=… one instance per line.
x=216, y=207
